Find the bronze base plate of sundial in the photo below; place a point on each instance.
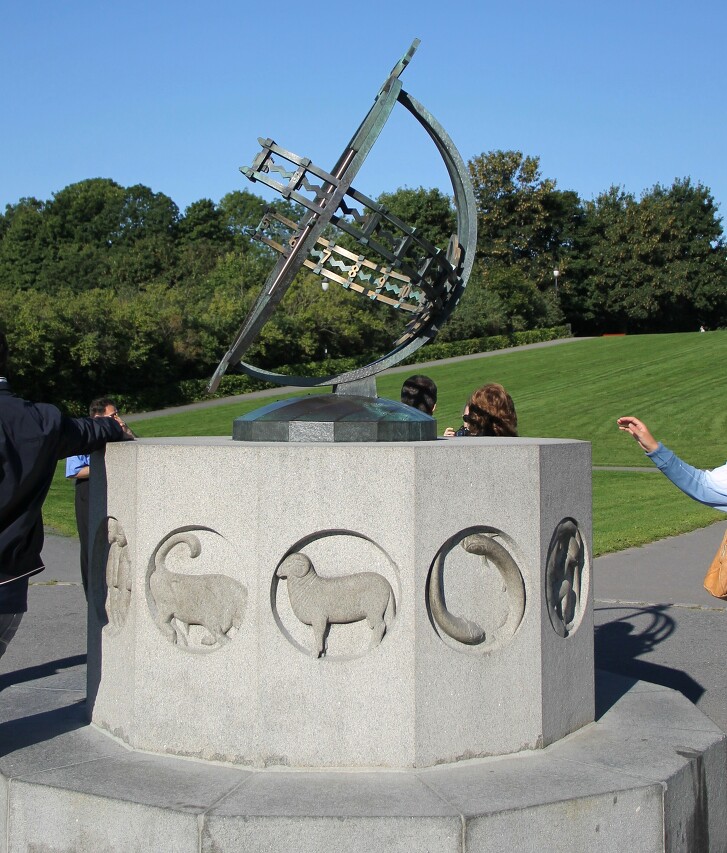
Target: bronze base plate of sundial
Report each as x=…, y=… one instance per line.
x=335, y=418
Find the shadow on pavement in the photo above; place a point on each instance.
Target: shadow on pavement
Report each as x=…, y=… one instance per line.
x=620, y=647
x=43, y=670
x=44, y=726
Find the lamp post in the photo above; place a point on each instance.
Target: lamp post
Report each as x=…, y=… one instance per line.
x=556, y=274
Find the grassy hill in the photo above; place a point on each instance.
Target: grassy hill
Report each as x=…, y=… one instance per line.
x=574, y=390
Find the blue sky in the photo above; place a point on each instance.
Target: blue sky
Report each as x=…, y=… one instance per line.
x=175, y=94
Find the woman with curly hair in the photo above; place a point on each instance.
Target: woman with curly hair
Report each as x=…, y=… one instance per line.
x=491, y=411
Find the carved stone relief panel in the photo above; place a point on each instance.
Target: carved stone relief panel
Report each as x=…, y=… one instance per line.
x=111, y=574
x=566, y=577
x=481, y=606
x=193, y=607
x=324, y=605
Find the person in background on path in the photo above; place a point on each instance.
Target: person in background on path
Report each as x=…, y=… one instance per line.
x=707, y=487
x=490, y=411
x=77, y=469
x=33, y=437
x=420, y=392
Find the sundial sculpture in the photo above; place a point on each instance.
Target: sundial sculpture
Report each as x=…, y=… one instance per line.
x=395, y=266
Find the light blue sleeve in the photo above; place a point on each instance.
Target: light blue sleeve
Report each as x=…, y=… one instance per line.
x=692, y=481
x=74, y=465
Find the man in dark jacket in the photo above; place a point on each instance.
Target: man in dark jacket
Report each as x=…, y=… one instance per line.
x=33, y=437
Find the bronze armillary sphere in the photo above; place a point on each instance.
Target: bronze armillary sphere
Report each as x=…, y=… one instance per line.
x=395, y=265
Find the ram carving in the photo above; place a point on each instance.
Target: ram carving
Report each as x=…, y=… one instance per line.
x=322, y=601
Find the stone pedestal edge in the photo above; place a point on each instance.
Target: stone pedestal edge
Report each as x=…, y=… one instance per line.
x=651, y=773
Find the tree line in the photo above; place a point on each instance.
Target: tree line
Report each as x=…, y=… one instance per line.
x=111, y=289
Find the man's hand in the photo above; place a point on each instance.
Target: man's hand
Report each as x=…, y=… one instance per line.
x=129, y=433
x=640, y=432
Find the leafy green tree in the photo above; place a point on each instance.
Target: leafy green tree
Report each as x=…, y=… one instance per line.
x=145, y=214
x=524, y=223
x=87, y=212
x=313, y=323
x=591, y=287
x=204, y=221
x=521, y=303
x=202, y=238
x=511, y=208
x=143, y=249
x=653, y=265
x=22, y=247
x=684, y=245
x=522, y=219
x=242, y=212
x=428, y=211
x=94, y=233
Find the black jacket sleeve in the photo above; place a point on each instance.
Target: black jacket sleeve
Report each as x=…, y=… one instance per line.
x=33, y=437
x=84, y=435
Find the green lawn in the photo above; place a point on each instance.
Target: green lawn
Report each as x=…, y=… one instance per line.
x=58, y=510
x=574, y=390
x=633, y=509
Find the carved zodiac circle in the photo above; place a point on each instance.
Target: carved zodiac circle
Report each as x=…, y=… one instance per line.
x=503, y=601
x=565, y=579
x=325, y=607
x=197, y=611
x=111, y=574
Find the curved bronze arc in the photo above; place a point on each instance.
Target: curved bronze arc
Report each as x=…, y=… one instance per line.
x=465, y=208
x=464, y=630
x=464, y=194
x=287, y=266
x=389, y=360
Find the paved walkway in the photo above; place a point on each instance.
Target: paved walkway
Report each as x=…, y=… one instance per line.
x=654, y=621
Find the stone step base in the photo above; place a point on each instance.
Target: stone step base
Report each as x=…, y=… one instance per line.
x=649, y=775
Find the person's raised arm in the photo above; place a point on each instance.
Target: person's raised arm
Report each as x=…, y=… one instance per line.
x=639, y=431
x=84, y=435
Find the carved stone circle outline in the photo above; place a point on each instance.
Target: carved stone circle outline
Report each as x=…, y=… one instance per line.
x=180, y=601
x=566, y=577
x=329, y=600
x=463, y=634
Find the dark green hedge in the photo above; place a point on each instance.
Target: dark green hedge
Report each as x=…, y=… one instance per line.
x=435, y=352
x=192, y=390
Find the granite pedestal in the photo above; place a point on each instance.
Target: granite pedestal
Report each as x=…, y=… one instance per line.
x=474, y=650
x=453, y=712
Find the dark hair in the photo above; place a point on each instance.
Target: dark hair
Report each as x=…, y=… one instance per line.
x=3, y=354
x=99, y=406
x=491, y=412
x=419, y=392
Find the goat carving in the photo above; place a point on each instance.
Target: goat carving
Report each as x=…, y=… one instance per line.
x=216, y=602
x=320, y=601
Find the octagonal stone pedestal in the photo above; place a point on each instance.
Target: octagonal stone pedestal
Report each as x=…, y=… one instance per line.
x=411, y=716
x=479, y=547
